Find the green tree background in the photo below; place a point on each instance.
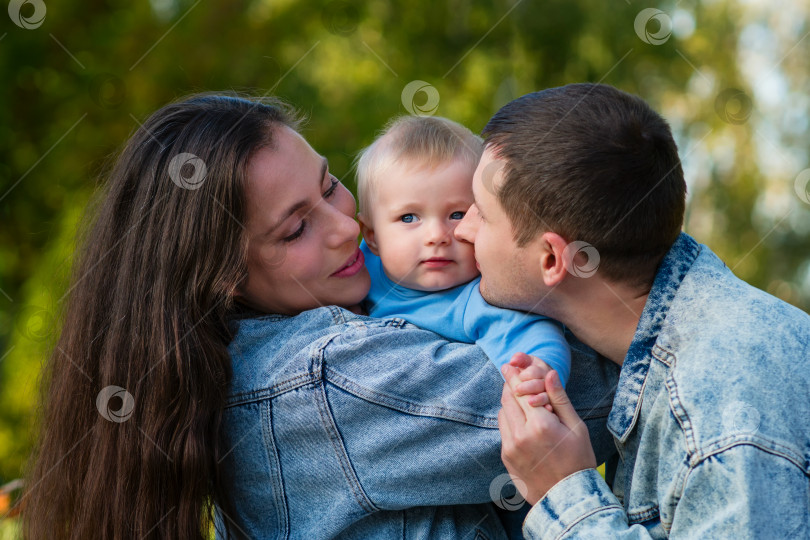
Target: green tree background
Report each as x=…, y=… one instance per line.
x=732, y=79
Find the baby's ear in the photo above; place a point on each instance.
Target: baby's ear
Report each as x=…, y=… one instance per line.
x=368, y=234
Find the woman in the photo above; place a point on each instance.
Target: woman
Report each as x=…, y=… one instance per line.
x=316, y=423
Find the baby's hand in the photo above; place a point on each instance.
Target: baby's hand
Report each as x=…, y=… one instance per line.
x=532, y=371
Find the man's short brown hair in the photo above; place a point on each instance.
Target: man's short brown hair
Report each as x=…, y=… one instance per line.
x=593, y=164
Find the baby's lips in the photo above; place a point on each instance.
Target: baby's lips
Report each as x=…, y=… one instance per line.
x=437, y=262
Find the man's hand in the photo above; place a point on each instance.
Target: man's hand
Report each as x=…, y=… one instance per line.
x=541, y=447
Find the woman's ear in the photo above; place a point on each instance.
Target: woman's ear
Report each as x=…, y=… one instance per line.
x=368, y=233
x=238, y=290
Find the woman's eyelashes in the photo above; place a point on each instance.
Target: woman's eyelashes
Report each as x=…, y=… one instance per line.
x=327, y=194
x=332, y=187
x=297, y=233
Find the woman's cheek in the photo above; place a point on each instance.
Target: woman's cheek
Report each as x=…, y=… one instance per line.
x=309, y=257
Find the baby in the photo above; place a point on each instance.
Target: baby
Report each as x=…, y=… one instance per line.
x=414, y=185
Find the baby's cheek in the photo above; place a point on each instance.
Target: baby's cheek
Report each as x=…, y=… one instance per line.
x=467, y=251
x=399, y=265
x=468, y=266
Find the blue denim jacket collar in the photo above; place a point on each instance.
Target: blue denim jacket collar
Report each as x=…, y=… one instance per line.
x=671, y=272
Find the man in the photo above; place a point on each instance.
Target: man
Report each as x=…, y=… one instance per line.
x=579, y=201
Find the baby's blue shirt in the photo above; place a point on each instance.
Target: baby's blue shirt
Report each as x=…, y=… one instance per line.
x=461, y=314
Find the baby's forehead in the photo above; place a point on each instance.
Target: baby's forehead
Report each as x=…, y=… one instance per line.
x=420, y=181
x=410, y=164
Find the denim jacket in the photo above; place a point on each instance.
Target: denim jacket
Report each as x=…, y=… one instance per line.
x=711, y=418
x=343, y=426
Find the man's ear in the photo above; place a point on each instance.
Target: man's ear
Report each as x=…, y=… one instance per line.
x=368, y=234
x=553, y=263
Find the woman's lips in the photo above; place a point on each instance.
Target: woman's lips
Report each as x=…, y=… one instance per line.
x=352, y=266
x=437, y=262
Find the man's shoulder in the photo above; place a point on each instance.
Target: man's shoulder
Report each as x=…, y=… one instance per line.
x=721, y=333
x=712, y=300
x=739, y=360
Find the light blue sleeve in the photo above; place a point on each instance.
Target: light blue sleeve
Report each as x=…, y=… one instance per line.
x=741, y=492
x=503, y=332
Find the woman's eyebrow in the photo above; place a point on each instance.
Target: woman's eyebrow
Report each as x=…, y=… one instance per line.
x=300, y=204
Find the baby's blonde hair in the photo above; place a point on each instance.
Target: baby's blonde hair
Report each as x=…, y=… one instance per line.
x=429, y=140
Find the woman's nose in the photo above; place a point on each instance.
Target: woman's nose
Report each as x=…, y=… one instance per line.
x=466, y=228
x=342, y=228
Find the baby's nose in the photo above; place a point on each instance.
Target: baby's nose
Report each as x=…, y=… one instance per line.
x=439, y=233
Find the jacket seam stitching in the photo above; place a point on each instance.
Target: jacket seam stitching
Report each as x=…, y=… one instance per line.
x=774, y=449
x=612, y=506
x=662, y=355
x=337, y=315
x=334, y=436
x=278, y=480
x=644, y=515
x=681, y=416
x=272, y=391
x=407, y=407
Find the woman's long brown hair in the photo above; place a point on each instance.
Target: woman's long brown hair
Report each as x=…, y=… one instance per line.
x=133, y=393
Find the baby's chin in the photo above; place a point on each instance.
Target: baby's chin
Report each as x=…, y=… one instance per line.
x=435, y=283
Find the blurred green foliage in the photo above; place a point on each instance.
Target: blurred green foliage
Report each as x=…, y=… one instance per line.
x=78, y=85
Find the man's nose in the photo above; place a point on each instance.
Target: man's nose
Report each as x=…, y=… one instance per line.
x=465, y=230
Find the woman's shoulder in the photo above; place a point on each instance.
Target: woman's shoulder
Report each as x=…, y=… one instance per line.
x=261, y=331
x=262, y=336
x=273, y=353
x=268, y=350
